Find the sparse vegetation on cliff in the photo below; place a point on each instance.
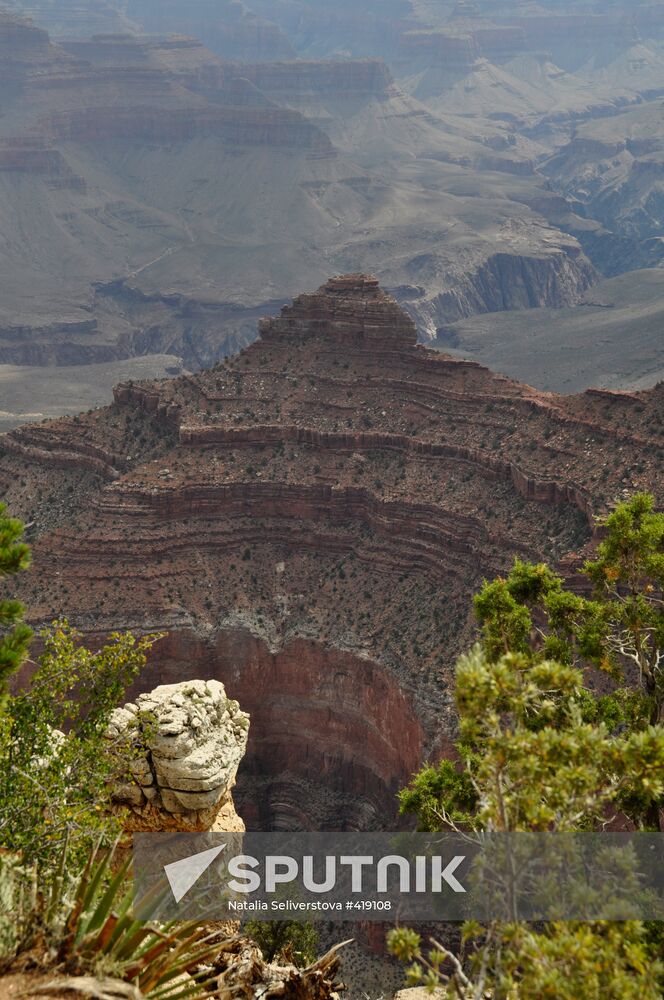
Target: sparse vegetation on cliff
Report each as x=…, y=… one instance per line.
x=285, y=940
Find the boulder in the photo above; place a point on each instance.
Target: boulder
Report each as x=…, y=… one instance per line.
x=184, y=743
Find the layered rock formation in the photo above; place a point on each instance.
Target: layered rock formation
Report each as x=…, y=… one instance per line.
x=26, y=53
x=237, y=127
x=175, y=196
x=230, y=28
x=327, y=79
x=457, y=51
x=186, y=742
x=308, y=521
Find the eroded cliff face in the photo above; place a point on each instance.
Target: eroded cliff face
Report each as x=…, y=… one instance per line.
x=308, y=522
x=333, y=736
x=327, y=79
x=230, y=27
x=503, y=282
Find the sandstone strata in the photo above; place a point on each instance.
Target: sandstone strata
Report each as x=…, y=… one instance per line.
x=308, y=521
x=186, y=743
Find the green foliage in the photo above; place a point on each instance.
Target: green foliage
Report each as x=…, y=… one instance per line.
x=84, y=925
x=628, y=576
x=56, y=764
x=285, y=940
x=620, y=629
x=541, y=752
x=533, y=762
x=539, y=765
x=572, y=961
x=568, y=961
x=439, y=796
x=16, y=635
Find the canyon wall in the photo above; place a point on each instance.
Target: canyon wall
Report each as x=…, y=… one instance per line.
x=333, y=737
x=308, y=522
x=505, y=282
x=327, y=78
x=181, y=188
x=230, y=28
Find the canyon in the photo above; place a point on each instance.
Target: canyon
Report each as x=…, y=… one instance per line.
x=307, y=522
x=300, y=481
x=230, y=130
x=172, y=190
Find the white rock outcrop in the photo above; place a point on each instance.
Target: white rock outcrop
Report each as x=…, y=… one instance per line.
x=186, y=742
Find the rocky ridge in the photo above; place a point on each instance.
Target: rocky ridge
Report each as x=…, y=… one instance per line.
x=307, y=522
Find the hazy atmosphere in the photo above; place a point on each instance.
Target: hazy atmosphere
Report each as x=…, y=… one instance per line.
x=170, y=171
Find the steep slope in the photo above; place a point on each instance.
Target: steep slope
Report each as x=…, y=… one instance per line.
x=307, y=522
x=82, y=141
x=156, y=198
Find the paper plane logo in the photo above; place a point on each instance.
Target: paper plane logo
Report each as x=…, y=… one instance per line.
x=182, y=875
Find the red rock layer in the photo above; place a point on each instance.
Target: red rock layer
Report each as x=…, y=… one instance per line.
x=34, y=158
x=26, y=51
x=321, y=719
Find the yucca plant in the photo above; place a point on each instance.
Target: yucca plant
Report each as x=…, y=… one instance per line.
x=89, y=929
